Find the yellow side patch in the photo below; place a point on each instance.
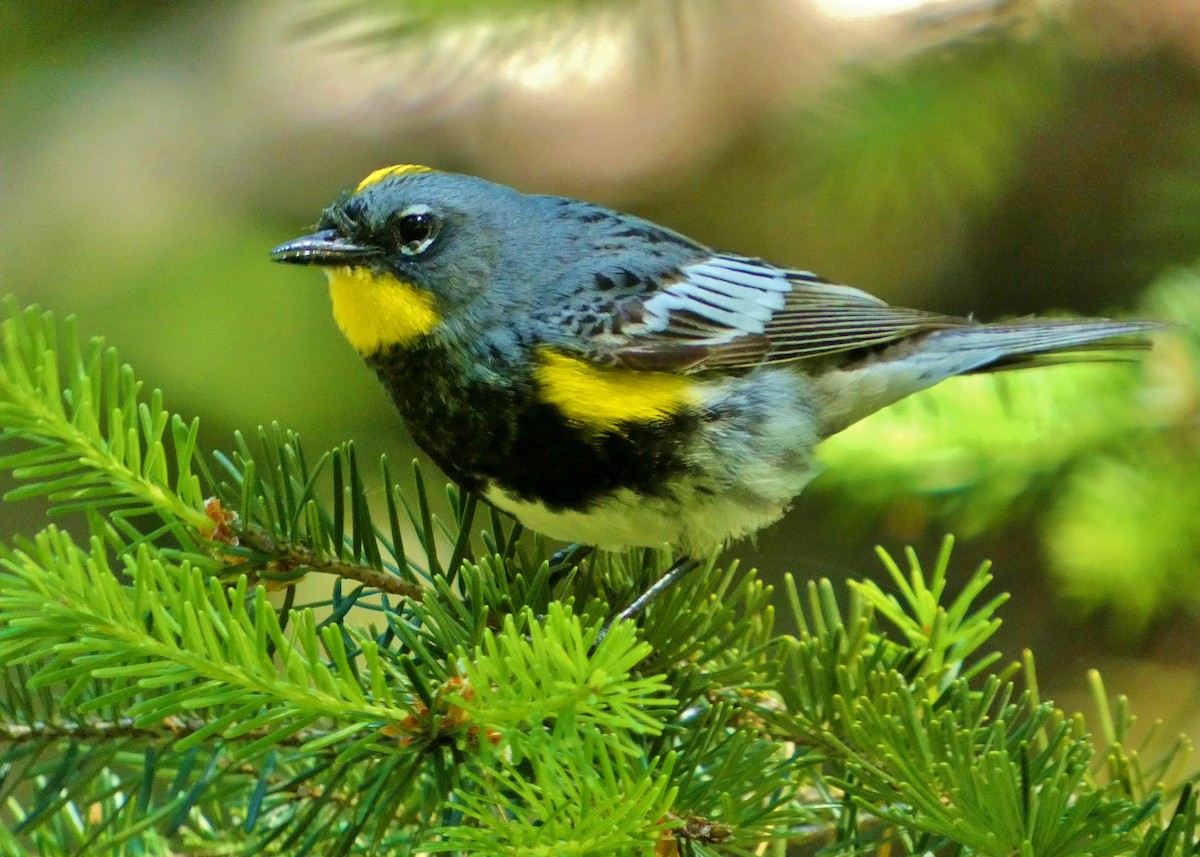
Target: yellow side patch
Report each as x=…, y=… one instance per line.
x=378, y=310
x=387, y=172
x=602, y=398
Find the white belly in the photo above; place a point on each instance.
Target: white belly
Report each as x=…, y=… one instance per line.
x=742, y=476
x=627, y=519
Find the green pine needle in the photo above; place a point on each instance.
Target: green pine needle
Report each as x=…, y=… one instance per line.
x=91, y=440
x=157, y=700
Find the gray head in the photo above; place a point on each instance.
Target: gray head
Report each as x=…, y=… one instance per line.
x=406, y=250
x=411, y=251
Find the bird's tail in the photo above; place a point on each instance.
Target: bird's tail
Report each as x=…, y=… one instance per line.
x=1041, y=342
x=863, y=387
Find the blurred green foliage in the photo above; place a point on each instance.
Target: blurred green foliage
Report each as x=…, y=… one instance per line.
x=398, y=19
x=1110, y=453
x=33, y=34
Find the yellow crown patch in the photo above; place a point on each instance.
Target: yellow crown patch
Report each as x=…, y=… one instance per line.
x=387, y=172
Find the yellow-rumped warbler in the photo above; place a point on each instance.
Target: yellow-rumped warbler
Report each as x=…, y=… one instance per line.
x=613, y=383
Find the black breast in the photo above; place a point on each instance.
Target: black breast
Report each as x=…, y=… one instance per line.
x=484, y=424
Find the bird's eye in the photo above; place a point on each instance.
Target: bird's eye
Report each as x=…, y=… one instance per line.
x=416, y=228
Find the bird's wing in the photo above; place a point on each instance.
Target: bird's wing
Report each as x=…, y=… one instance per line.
x=730, y=312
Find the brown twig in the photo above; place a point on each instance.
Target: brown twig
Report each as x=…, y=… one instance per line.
x=382, y=580
x=169, y=728
x=287, y=558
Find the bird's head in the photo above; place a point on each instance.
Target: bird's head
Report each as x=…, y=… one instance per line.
x=408, y=247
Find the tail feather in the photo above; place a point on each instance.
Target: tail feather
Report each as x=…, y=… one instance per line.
x=1041, y=342
x=865, y=386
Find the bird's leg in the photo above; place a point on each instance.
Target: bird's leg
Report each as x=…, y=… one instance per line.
x=672, y=576
x=570, y=555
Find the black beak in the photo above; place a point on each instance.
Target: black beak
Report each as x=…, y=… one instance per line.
x=326, y=247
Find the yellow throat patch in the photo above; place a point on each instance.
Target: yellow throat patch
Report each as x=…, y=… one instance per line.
x=375, y=311
x=387, y=172
x=602, y=398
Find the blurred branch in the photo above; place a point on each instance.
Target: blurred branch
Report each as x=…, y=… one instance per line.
x=1114, y=455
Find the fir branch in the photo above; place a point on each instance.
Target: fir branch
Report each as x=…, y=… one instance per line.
x=278, y=530
x=948, y=634
x=578, y=799
x=197, y=642
x=589, y=689
x=168, y=730
x=91, y=440
x=289, y=561
x=153, y=699
x=945, y=759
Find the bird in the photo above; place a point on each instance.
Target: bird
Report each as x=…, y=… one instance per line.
x=610, y=382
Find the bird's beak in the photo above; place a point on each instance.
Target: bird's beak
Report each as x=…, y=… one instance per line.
x=326, y=247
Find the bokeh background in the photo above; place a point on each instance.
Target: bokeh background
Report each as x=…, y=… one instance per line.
x=1001, y=158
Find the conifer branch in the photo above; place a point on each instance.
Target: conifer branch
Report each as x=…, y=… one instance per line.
x=291, y=560
x=153, y=697
x=97, y=444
